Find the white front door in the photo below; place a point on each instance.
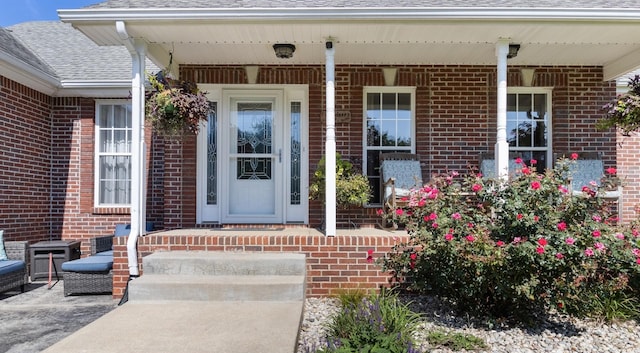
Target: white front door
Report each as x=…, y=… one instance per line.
x=252, y=156
x=254, y=165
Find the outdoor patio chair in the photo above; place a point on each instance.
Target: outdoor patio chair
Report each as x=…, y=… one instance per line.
x=588, y=168
x=400, y=173
x=488, y=165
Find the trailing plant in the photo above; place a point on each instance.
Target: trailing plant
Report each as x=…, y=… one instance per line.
x=352, y=188
x=520, y=248
x=624, y=111
x=174, y=106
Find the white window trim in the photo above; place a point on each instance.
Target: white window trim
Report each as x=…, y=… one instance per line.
x=96, y=152
x=549, y=92
x=386, y=89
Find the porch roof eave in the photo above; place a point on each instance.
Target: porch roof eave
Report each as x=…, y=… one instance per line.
x=378, y=36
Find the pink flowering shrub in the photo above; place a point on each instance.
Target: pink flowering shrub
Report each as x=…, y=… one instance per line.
x=517, y=248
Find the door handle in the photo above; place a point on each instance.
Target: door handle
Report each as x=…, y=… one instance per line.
x=280, y=155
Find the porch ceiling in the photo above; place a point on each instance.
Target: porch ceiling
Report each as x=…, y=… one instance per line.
x=611, y=43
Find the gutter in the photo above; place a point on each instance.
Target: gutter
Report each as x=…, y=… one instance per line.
x=350, y=14
x=137, y=146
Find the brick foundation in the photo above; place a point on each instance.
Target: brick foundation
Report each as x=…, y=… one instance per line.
x=333, y=263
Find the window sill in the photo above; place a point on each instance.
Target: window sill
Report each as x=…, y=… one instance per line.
x=124, y=210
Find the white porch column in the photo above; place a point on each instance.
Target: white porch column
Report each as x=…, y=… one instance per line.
x=330, y=144
x=501, y=149
x=137, y=49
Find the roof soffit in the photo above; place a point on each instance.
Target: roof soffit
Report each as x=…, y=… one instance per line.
x=434, y=36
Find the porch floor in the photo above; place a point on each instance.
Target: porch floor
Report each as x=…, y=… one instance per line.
x=275, y=230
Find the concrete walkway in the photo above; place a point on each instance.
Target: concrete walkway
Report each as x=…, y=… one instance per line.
x=190, y=326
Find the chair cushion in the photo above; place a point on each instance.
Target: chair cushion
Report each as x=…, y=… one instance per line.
x=8, y=266
x=89, y=264
x=3, y=252
x=583, y=172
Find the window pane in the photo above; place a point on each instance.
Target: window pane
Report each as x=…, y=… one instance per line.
x=373, y=106
x=512, y=133
x=540, y=135
x=212, y=156
x=373, y=133
x=106, y=116
x=121, y=117
x=388, y=133
x=389, y=106
x=295, y=155
x=404, y=133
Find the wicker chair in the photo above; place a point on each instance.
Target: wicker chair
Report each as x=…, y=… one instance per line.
x=400, y=172
x=91, y=282
x=16, y=250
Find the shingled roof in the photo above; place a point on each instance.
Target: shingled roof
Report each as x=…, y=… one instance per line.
x=582, y=4
x=68, y=53
x=15, y=49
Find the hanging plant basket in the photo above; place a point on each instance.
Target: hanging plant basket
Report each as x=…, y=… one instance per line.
x=175, y=107
x=624, y=111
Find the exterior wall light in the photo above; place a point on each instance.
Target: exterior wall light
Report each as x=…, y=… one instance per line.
x=513, y=51
x=284, y=51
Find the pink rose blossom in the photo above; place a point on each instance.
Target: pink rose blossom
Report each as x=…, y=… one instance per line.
x=600, y=246
x=596, y=233
x=500, y=243
x=421, y=203
x=448, y=237
x=559, y=256
x=611, y=171
x=434, y=225
x=470, y=238
x=635, y=233
x=570, y=241
x=399, y=212
x=535, y=185
x=596, y=218
x=542, y=242
x=469, y=225
x=533, y=162
x=588, y=252
x=620, y=236
x=454, y=173
x=574, y=156
x=413, y=256
x=433, y=216
x=563, y=189
x=536, y=218
x=638, y=261
x=379, y=212
x=636, y=252
x=519, y=216
x=518, y=160
x=540, y=250
x=476, y=187
x=516, y=240
x=562, y=226
x=526, y=171
x=456, y=216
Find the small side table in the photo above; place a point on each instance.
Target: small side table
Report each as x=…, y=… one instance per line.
x=58, y=251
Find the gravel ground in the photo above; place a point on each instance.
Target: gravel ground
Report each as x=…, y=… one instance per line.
x=557, y=334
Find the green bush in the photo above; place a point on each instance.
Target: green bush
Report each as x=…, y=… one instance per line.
x=377, y=323
x=352, y=187
x=518, y=248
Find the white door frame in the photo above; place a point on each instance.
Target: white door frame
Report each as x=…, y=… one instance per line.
x=291, y=212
